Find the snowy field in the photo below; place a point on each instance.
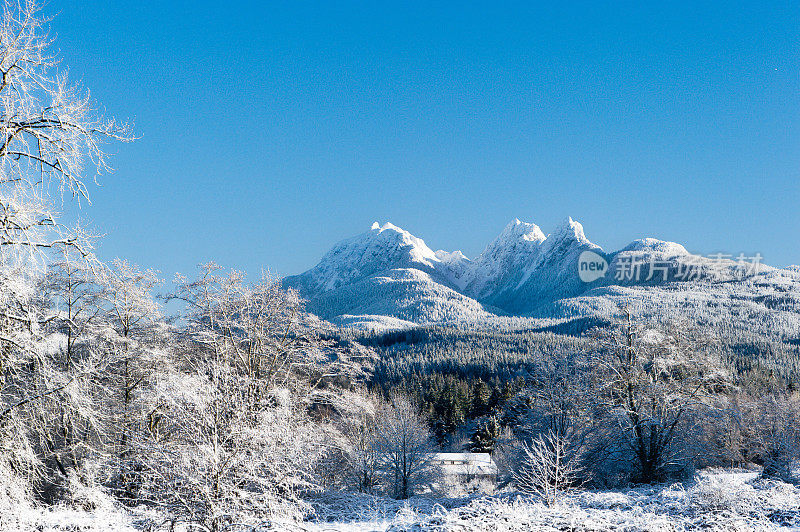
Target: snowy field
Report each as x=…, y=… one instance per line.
x=718, y=500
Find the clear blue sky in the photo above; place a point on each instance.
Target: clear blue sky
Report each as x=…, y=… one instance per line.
x=270, y=130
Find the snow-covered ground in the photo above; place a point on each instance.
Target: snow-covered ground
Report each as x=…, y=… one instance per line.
x=717, y=500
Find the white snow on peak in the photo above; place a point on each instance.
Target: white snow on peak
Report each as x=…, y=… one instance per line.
x=382, y=247
x=517, y=246
x=569, y=228
x=388, y=226
x=419, y=251
x=669, y=249
x=521, y=230
x=450, y=256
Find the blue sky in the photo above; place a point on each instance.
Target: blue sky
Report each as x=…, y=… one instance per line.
x=271, y=130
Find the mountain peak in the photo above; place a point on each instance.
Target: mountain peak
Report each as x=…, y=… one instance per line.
x=451, y=256
x=571, y=229
x=516, y=247
x=654, y=245
x=522, y=230
x=383, y=247
x=388, y=226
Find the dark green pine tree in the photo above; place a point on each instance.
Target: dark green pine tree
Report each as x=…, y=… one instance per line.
x=482, y=396
x=485, y=437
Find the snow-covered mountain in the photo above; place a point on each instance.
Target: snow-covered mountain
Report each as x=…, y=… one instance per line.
x=549, y=274
x=382, y=248
x=506, y=257
x=387, y=277
x=388, y=272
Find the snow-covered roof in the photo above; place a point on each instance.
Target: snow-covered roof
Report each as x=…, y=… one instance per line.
x=465, y=463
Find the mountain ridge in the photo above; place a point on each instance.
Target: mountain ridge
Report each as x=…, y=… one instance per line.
x=387, y=276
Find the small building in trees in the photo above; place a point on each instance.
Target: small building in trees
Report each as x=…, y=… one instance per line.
x=465, y=467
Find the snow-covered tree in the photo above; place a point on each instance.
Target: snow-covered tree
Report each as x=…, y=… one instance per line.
x=75, y=294
x=133, y=338
x=235, y=440
x=773, y=432
x=548, y=468
x=75, y=436
x=652, y=380
x=50, y=136
x=485, y=436
x=358, y=467
x=405, y=445
x=132, y=315
x=51, y=141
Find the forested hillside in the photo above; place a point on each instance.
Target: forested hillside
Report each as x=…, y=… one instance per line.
x=463, y=374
